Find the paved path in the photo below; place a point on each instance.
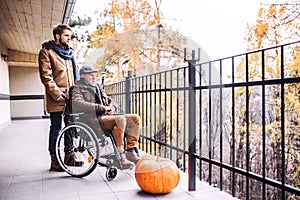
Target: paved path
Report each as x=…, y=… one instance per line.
x=24, y=173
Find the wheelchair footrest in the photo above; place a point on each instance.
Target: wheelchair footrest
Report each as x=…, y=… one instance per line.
x=108, y=156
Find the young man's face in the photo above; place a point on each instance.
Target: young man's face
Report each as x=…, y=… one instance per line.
x=64, y=38
x=91, y=78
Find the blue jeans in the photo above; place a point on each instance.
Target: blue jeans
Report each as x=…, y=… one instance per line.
x=55, y=127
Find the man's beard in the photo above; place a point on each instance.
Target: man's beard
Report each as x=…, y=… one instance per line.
x=92, y=83
x=63, y=43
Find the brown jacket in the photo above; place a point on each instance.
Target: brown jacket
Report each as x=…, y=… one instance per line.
x=85, y=99
x=57, y=76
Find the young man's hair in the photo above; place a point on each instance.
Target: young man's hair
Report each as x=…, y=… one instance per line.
x=59, y=29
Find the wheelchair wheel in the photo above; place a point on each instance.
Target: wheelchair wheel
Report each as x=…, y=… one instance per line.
x=111, y=173
x=85, y=146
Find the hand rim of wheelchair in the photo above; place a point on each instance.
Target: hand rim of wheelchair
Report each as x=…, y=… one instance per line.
x=90, y=136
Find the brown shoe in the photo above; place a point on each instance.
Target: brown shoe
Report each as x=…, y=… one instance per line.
x=132, y=155
x=124, y=162
x=55, y=166
x=70, y=159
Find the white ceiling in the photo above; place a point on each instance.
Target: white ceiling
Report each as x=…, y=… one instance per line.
x=26, y=24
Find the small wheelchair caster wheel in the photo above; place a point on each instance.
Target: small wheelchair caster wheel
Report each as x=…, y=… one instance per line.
x=111, y=173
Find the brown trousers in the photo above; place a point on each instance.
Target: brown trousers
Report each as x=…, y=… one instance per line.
x=117, y=124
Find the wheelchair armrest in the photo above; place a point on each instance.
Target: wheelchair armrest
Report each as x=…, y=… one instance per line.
x=70, y=117
x=76, y=114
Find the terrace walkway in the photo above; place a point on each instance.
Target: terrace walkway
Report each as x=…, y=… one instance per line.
x=24, y=173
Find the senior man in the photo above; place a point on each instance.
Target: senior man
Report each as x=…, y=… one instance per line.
x=88, y=97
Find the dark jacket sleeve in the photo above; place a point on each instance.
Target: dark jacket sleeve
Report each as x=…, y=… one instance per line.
x=80, y=104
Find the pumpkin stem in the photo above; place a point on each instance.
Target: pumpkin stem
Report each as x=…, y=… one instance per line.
x=157, y=158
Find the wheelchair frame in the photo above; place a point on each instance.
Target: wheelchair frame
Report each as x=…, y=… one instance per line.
x=89, y=148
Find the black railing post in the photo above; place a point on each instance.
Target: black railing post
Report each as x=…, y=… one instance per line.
x=127, y=92
x=192, y=121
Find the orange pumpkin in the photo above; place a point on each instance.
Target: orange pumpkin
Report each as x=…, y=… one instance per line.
x=156, y=175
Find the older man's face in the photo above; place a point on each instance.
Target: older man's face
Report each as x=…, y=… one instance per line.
x=91, y=78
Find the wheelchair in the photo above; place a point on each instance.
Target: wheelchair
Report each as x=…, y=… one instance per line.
x=93, y=148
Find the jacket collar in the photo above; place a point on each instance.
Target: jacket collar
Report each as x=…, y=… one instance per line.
x=85, y=84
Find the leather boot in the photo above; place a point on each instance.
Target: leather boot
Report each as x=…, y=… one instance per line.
x=70, y=159
x=124, y=162
x=132, y=155
x=55, y=166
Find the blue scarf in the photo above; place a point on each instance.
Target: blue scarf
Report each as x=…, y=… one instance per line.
x=66, y=54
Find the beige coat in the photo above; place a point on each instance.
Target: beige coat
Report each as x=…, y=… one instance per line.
x=57, y=76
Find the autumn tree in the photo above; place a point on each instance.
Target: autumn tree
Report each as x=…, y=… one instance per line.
x=275, y=24
x=132, y=32
x=80, y=35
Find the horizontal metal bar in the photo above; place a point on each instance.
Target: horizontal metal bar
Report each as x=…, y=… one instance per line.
x=252, y=175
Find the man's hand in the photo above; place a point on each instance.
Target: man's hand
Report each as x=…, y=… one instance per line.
x=109, y=110
x=61, y=98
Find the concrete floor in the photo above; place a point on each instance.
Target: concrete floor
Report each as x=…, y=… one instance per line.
x=24, y=173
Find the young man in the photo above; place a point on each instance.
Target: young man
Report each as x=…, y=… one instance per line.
x=88, y=97
x=58, y=72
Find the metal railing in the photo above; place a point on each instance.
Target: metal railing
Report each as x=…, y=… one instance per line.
x=232, y=122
